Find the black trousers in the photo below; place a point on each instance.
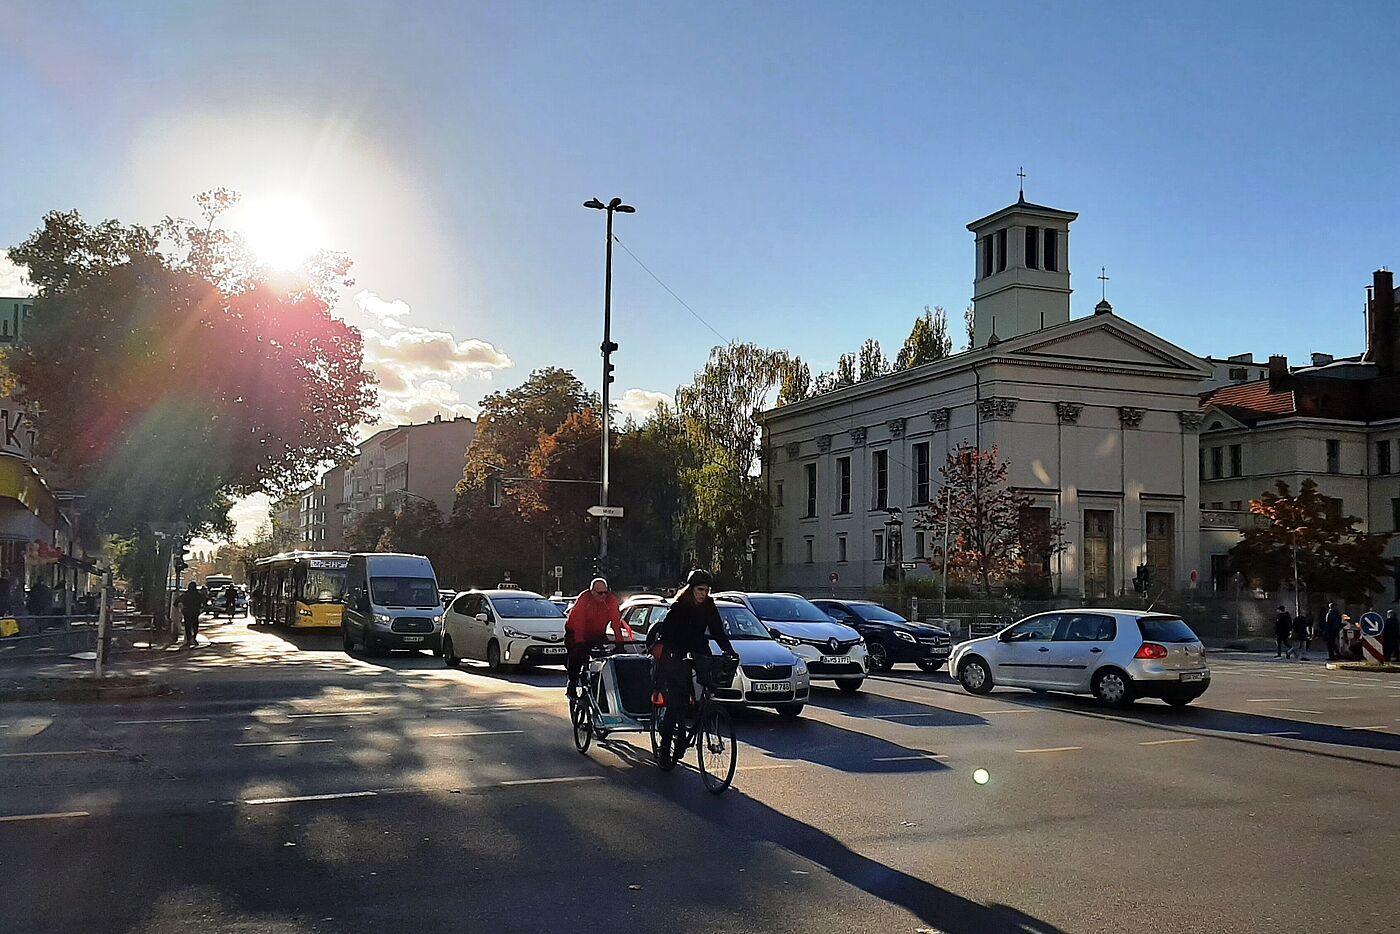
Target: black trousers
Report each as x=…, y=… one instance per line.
x=191, y=628
x=577, y=658
x=671, y=676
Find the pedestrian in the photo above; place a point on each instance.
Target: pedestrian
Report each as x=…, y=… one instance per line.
x=1332, y=632
x=191, y=604
x=40, y=599
x=1283, y=627
x=230, y=598
x=1390, y=636
x=1302, y=635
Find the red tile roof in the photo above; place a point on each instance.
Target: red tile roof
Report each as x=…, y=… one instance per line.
x=1253, y=400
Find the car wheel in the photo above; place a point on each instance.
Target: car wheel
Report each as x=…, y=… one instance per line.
x=1178, y=701
x=790, y=711
x=975, y=676
x=850, y=686
x=449, y=657
x=879, y=656
x=929, y=666
x=1113, y=688
x=493, y=656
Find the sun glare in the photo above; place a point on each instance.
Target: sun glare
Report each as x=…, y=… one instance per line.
x=281, y=232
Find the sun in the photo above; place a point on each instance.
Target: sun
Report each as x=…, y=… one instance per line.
x=282, y=232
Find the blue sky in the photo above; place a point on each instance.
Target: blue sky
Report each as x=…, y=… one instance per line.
x=802, y=171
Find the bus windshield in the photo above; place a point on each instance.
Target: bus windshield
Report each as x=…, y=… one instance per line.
x=323, y=585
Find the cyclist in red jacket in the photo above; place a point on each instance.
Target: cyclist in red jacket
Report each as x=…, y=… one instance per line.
x=593, y=612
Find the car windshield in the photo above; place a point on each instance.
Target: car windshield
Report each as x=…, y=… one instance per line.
x=404, y=591
x=787, y=610
x=739, y=623
x=527, y=608
x=1166, y=629
x=323, y=585
x=874, y=613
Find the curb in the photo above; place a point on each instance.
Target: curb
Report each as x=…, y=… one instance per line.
x=83, y=689
x=1387, y=668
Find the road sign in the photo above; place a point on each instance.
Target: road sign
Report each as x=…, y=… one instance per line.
x=909, y=565
x=1372, y=624
x=605, y=512
x=558, y=571
x=1371, y=648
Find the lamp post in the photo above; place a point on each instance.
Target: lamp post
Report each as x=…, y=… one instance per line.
x=615, y=206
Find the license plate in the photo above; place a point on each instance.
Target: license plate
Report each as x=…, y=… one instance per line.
x=1193, y=676
x=413, y=638
x=770, y=687
x=837, y=659
x=554, y=650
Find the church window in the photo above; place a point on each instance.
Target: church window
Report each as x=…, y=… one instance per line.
x=882, y=479
x=1001, y=249
x=1052, y=251
x=1383, y=457
x=1236, y=460
x=1217, y=460
x=1334, y=456
x=1032, y=247
x=988, y=261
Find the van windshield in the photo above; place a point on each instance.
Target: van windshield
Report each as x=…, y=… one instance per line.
x=418, y=592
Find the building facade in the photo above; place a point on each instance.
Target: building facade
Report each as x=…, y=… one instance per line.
x=321, y=514
x=408, y=462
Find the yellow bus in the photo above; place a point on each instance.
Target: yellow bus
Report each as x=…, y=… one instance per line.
x=299, y=589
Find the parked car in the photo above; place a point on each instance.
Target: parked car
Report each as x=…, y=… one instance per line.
x=890, y=639
x=770, y=675
x=1116, y=655
x=503, y=628
x=831, y=650
x=391, y=602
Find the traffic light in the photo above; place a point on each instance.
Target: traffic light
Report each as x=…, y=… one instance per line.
x=182, y=559
x=608, y=373
x=609, y=348
x=495, y=487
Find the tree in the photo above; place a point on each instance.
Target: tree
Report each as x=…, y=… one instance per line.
x=992, y=535
x=365, y=530
x=796, y=383
x=927, y=341
x=873, y=361
x=511, y=422
x=969, y=322
x=847, y=373
x=415, y=528
x=1333, y=555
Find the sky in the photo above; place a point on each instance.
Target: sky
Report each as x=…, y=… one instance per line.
x=802, y=172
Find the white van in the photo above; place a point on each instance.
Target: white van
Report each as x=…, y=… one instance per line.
x=391, y=602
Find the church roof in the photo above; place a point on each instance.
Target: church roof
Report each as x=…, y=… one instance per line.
x=1022, y=207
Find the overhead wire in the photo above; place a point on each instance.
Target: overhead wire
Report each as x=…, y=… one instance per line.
x=669, y=290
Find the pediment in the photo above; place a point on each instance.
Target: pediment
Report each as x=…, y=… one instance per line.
x=1105, y=340
x=1216, y=419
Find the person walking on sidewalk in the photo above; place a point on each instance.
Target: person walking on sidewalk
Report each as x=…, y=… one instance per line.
x=191, y=605
x=1283, y=627
x=1332, y=632
x=1302, y=635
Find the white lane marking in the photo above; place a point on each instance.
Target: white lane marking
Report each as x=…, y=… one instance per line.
x=551, y=781
x=329, y=797
x=176, y=720
x=1164, y=742
x=1295, y=710
x=1346, y=697
x=479, y=707
x=909, y=758
x=286, y=742
x=65, y=752
x=988, y=713
x=1377, y=726
x=1053, y=749
x=55, y=815
x=760, y=768
x=343, y=713
x=1285, y=677
x=1267, y=700
x=477, y=733
x=1279, y=733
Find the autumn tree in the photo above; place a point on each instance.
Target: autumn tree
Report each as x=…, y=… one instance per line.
x=796, y=382
x=927, y=341
x=847, y=371
x=364, y=532
x=993, y=537
x=1333, y=555
x=969, y=322
x=873, y=362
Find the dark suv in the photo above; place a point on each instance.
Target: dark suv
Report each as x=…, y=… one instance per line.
x=889, y=637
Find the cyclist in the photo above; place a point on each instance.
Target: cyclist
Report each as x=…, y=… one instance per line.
x=682, y=635
x=587, y=627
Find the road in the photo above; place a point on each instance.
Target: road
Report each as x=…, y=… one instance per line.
x=289, y=788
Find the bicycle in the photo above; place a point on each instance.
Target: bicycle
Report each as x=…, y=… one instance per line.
x=716, y=751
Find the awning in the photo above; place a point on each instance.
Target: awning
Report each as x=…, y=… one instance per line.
x=21, y=482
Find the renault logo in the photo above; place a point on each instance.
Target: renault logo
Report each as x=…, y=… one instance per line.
x=833, y=644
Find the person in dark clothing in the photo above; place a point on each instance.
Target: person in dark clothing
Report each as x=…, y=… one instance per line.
x=191, y=605
x=1332, y=632
x=682, y=635
x=230, y=600
x=40, y=599
x=1283, y=628
x=1302, y=635
x=1390, y=637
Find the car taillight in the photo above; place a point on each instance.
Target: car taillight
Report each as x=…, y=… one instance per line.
x=1151, y=650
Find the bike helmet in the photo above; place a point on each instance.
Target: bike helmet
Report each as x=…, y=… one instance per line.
x=699, y=578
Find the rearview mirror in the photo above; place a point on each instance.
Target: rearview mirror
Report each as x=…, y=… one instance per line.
x=481, y=618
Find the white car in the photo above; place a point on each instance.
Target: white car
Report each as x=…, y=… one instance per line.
x=503, y=628
x=831, y=650
x=769, y=675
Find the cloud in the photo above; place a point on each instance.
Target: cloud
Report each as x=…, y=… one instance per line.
x=639, y=404
x=386, y=313
x=424, y=352
x=13, y=283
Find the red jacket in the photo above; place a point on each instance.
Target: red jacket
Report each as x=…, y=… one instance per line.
x=589, y=618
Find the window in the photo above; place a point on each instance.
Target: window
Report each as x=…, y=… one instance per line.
x=1086, y=628
x=921, y=474
x=841, y=549
x=879, y=546
x=778, y=493
x=1201, y=463
x=1036, y=629
x=811, y=549
x=919, y=545
x=1052, y=251
x=1239, y=373
x=811, y=470
x=1383, y=456
x=1217, y=505
x=1395, y=515
x=1032, y=247
x=987, y=261
x=1217, y=463
x=1332, y=508
x=1236, y=460
x=1001, y=249
x=777, y=551
x=1237, y=504
x=1334, y=456
x=882, y=479
x=843, y=482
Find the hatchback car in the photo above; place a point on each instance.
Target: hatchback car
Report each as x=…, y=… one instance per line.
x=770, y=675
x=503, y=628
x=832, y=651
x=1116, y=655
x=890, y=639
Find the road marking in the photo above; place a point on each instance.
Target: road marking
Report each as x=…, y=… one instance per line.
x=330, y=797
x=1280, y=733
x=1164, y=742
x=1285, y=677
x=182, y=720
x=1346, y=697
x=66, y=752
x=1377, y=726
x=1267, y=700
x=908, y=758
x=988, y=713
x=56, y=815
x=760, y=768
x=479, y=707
x=343, y=713
x=1295, y=710
x=899, y=716
x=477, y=733
x=286, y=742
x=1053, y=749
x=550, y=781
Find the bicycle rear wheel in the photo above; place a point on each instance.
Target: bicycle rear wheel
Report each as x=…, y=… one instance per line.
x=716, y=749
x=662, y=750
x=583, y=721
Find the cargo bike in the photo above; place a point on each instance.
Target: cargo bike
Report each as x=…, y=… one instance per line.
x=615, y=696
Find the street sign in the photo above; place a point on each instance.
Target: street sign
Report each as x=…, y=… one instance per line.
x=1372, y=624
x=605, y=512
x=558, y=571
x=909, y=565
x=1372, y=650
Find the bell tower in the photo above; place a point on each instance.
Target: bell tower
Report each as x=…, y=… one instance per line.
x=1022, y=264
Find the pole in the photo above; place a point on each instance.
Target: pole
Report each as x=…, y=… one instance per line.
x=104, y=623
x=607, y=379
x=1295, y=573
x=947, y=518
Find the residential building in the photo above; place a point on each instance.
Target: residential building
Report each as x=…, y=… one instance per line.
x=406, y=462
x=322, y=518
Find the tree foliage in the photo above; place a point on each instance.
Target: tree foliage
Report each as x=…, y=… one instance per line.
x=873, y=362
x=847, y=371
x=928, y=340
x=969, y=322
x=510, y=423
x=796, y=382
x=1334, y=555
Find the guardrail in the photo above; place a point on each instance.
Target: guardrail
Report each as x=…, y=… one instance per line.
x=59, y=634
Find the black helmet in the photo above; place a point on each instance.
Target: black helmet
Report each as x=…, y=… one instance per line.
x=699, y=578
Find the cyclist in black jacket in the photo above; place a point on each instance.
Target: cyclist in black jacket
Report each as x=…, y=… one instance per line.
x=682, y=634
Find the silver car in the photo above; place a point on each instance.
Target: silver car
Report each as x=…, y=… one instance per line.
x=1116, y=655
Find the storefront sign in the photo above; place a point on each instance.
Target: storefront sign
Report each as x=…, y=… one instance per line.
x=16, y=432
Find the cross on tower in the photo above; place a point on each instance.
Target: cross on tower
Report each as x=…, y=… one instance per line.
x=1021, y=174
x=1103, y=278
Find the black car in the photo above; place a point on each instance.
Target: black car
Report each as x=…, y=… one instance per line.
x=889, y=637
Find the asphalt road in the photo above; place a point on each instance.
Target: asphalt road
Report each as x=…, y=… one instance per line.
x=289, y=788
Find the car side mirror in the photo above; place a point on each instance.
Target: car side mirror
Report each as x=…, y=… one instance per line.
x=482, y=618
x=1004, y=637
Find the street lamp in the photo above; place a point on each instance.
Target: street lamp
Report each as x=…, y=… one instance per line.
x=615, y=206
x=894, y=543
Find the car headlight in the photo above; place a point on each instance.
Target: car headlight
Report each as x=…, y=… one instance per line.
x=304, y=612
x=383, y=619
x=437, y=620
x=799, y=667
x=907, y=637
x=787, y=640
x=510, y=633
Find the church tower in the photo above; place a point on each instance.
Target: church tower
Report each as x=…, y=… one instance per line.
x=1022, y=264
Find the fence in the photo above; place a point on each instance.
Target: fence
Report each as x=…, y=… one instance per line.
x=58, y=634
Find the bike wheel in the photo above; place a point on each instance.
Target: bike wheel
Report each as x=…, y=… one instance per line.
x=661, y=750
x=716, y=749
x=582, y=716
